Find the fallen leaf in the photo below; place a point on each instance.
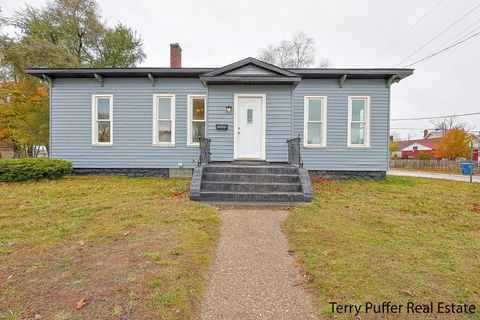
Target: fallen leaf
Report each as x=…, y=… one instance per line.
x=37, y=317
x=126, y=233
x=80, y=304
x=476, y=207
x=291, y=251
x=410, y=293
x=296, y=265
x=81, y=242
x=201, y=227
x=180, y=195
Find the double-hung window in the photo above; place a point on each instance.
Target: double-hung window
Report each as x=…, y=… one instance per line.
x=102, y=120
x=196, y=119
x=315, y=121
x=164, y=119
x=359, y=121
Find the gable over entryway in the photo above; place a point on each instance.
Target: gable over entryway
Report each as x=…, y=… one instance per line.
x=250, y=71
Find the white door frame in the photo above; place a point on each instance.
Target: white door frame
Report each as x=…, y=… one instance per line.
x=235, y=122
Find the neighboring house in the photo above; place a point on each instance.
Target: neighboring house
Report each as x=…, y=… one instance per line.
x=129, y=119
x=475, y=139
x=412, y=148
x=7, y=150
x=432, y=134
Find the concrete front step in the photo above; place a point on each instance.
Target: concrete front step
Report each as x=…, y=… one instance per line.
x=278, y=169
x=250, y=187
x=252, y=196
x=251, y=177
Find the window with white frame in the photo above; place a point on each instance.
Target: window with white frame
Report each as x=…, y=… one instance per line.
x=196, y=119
x=315, y=121
x=164, y=119
x=358, y=121
x=102, y=119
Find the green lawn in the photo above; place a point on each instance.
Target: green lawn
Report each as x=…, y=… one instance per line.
x=404, y=239
x=134, y=248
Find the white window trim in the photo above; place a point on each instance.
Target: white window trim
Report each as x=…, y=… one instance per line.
x=155, y=141
x=95, y=141
x=367, y=122
x=190, y=98
x=324, y=122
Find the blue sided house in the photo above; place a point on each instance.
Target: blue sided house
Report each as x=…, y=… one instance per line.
x=249, y=131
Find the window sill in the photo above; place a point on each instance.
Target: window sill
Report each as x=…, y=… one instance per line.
x=101, y=145
x=315, y=146
x=163, y=145
x=358, y=147
x=189, y=145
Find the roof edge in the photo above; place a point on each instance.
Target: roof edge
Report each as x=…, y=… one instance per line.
x=306, y=73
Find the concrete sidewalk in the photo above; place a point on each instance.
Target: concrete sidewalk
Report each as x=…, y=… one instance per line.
x=433, y=175
x=253, y=276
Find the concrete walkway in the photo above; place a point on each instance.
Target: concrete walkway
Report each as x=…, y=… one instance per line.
x=253, y=276
x=433, y=175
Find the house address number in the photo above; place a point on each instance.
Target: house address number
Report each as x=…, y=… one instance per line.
x=221, y=126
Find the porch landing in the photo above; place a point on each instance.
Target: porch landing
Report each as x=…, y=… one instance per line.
x=250, y=182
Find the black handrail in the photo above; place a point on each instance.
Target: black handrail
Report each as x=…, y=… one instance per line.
x=294, y=152
x=205, y=153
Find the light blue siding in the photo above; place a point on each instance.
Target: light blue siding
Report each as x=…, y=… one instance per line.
x=336, y=156
x=132, y=123
x=250, y=70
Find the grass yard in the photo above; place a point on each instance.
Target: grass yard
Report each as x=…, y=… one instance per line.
x=404, y=239
x=132, y=248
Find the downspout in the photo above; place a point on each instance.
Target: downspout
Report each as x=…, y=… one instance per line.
x=207, y=106
x=291, y=112
x=388, y=127
x=50, y=121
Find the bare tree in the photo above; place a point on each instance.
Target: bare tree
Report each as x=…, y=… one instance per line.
x=447, y=123
x=324, y=63
x=298, y=52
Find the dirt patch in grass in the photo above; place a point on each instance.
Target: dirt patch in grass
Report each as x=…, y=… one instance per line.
x=400, y=240
x=131, y=248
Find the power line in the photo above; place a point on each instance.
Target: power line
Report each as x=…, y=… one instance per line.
x=422, y=129
x=460, y=35
x=436, y=117
x=438, y=35
x=456, y=38
x=410, y=129
x=405, y=32
x=445, y=49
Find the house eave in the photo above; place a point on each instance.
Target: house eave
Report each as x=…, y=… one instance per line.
x=118, y=72
x=201, y=72
x=335, y=73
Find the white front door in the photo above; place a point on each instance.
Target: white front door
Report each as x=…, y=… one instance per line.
x=249, y=127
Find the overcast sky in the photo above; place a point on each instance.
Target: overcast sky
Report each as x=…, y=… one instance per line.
x=349, y=33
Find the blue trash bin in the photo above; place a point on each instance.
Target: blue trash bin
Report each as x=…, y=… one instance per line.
x=466, y=168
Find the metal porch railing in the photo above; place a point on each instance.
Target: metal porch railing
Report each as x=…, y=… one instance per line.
x=294, y=157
